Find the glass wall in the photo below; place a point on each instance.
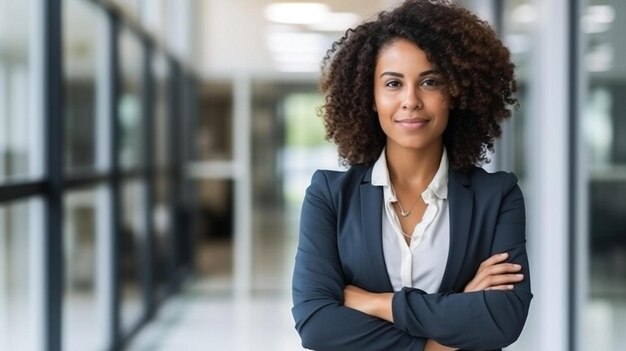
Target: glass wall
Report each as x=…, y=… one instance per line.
x=604, y=129
x=162, y=213
x=20, y=161
x=20, y=231
x=83, y=318
x=80, y=283
x=214, y=145
x=130, y=100
x=516, y=32
x=19, y=122
x=600, y=265
x=83, y=303
x=132, y=250
x=83, y=31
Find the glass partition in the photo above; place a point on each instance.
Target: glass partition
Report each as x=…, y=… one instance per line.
x=162, y=215
x=82, y=304
x=19, y=223
x=20, y=123
x=517, y=34
x=132, y=249
x=130, y=109
x=604, y=129
x=83, y=34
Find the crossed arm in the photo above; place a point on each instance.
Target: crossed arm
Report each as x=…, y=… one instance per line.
x=405, y=320
x=492, y=274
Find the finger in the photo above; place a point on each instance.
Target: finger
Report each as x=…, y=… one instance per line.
x=494, y=259
x=501, y=279
x=500, y=287
x=502, y=268
x=497, y=269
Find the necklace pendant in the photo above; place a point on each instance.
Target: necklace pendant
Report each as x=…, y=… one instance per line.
x=404, y=214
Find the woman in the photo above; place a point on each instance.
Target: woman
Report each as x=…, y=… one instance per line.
x=414, y=247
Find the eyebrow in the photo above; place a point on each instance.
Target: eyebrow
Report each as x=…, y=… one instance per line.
x=400, y=75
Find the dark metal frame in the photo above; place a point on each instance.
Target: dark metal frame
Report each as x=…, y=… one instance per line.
x=56, y=182
x=149, y=175
x=115, y=181
x=574, y=113
x=53, y=107
x=173, y=196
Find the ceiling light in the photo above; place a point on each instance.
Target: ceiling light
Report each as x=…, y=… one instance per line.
x=296, y=51
x=296, y=13
x=598, y=19
x=601, y=13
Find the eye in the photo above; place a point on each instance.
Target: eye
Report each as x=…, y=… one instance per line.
x=393, y=84
x=431, y=82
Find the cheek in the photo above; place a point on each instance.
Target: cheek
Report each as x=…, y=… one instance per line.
x=382, y=106
x=441, y=105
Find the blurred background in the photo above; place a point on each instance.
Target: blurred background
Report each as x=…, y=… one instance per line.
x=154, y=155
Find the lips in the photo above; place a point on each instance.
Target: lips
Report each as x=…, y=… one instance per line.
x=412, y=120
x=412, y=123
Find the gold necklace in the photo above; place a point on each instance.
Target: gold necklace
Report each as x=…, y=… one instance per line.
x=403, y=212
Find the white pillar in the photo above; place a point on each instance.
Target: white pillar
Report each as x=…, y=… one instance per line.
x=547, y=198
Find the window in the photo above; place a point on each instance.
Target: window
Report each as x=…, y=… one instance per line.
x=20, y=142
x=62, y=223
x=604, y=129
x=130, y=100
x=83, y=306
x=162, y=215
x=131, y=251
x=20, y=232
x=83, y=34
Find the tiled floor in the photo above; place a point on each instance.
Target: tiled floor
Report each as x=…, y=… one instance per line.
x=201, y=319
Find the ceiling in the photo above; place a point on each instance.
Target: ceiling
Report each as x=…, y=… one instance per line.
x=237, y=38
x=233, y=37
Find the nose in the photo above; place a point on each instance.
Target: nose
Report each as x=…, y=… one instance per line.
x=412, y=100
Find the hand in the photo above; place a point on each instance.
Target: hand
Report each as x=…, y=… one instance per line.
x=373, y=304
x=493, y=275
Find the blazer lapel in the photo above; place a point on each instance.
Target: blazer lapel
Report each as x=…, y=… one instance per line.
x=461, y=205
x=371, y=221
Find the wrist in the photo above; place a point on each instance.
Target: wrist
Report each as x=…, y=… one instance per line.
x=383, y=306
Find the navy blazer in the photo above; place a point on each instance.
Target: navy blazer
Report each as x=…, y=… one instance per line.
x=341, y=243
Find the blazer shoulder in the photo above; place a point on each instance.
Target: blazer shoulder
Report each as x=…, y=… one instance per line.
x=499, y=181
x=340, y=180
x=336, y=186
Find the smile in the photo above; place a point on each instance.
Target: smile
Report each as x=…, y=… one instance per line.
x=412, y=123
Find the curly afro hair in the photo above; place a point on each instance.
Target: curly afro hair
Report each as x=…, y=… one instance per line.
x=474, y=64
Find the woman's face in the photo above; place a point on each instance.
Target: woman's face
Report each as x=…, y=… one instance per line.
x=409, y=97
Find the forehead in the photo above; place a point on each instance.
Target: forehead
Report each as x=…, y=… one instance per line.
x=402, y=55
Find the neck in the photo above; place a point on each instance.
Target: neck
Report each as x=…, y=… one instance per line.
x=411, y=167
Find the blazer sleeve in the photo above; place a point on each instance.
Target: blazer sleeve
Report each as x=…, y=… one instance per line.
x=476, y=320
x=322, y=320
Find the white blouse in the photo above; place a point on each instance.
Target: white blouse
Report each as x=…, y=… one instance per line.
x=422, y=264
